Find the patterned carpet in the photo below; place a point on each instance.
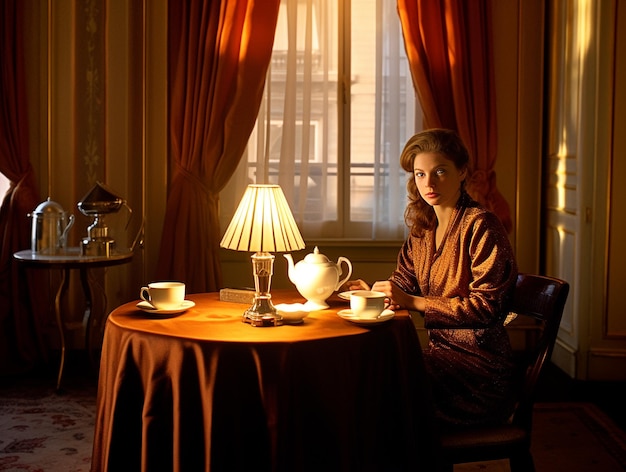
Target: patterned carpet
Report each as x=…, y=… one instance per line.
x=50, y=433
x=43, y=431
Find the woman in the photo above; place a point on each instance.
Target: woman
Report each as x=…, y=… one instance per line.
x=457, y=268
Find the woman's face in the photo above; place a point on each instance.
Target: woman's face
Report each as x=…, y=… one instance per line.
x=437, y=178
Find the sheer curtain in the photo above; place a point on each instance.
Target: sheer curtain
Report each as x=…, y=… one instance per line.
x=337, y=108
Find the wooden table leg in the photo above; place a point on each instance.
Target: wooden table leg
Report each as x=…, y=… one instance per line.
x=88, y=315
x=65, y=278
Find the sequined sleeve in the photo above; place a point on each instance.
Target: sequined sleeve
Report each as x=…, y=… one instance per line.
x=404, y=275
x=470, y=282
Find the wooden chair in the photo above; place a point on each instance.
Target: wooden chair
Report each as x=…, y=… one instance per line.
x=542, y=298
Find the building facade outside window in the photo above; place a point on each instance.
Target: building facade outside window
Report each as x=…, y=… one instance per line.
x=338, y=107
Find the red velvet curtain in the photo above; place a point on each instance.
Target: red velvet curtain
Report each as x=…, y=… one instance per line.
x=219, y=51
x=450, y=52
x=20, y=345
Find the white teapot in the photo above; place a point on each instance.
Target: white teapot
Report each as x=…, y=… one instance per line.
x=316, y=278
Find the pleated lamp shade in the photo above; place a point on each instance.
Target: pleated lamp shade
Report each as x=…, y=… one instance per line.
x=263, y=222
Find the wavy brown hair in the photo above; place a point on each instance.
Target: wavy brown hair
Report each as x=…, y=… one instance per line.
x=419, y=215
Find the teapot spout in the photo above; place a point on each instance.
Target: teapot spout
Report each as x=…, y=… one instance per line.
x=290, y=266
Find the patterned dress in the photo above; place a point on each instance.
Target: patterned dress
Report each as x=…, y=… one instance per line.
x=466, y=283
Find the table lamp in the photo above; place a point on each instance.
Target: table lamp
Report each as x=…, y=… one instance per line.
x=263, y=223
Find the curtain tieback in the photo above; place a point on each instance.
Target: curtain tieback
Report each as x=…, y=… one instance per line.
x=26, y=176
x=197, y=182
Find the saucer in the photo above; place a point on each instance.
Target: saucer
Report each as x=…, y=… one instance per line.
x=145, y=306
x=386, y=315
x=346, y=295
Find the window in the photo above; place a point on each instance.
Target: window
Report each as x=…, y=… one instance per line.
x=4, y=185
x=337, y=109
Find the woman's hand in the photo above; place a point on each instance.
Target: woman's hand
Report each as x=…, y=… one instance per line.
x=354, y=285
x=387, y=288
x=398, y=298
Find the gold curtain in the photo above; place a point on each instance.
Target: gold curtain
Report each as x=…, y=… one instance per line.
x=22, y=311
x=219, y=52
x=450, y=50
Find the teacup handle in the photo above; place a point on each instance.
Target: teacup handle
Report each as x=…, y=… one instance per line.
x=386, y=307
x=144, y=293
x=349, y=264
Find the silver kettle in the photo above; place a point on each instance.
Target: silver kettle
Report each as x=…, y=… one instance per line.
x=49, y=228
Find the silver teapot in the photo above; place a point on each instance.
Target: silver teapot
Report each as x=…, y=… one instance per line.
x=49, y=228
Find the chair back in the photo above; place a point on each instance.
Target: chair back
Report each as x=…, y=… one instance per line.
x=542, y=298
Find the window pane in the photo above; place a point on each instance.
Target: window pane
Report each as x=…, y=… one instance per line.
x=382, y=118
x=296, y=141
x=4, y=185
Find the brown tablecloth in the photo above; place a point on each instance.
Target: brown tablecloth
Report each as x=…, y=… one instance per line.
x=204, y=391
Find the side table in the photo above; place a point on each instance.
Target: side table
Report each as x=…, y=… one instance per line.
x=71, y=259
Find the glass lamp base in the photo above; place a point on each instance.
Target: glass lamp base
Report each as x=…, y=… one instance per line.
x=262, y=313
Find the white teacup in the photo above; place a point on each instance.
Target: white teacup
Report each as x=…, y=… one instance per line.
x=164, y=295
x=367, y=304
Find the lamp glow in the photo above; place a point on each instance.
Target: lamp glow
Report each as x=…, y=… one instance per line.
x=263, y=223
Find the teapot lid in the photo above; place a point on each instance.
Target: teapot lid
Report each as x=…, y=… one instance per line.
x=315, y=257
x=49, y=209
x=100, y=199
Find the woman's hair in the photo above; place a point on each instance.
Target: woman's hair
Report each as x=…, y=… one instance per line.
x=419, y=215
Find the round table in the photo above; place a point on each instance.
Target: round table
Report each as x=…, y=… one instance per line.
x=201, y=390
x=70, y=259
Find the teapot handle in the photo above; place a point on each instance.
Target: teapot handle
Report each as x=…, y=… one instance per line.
x=349, y=264
x=130, y=214
x=63, y=238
